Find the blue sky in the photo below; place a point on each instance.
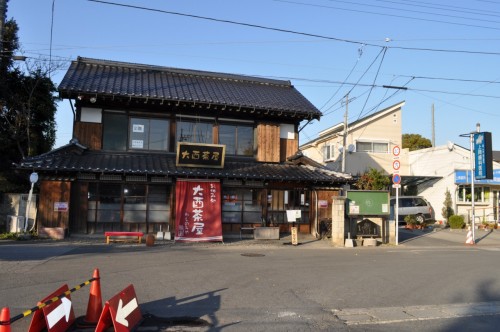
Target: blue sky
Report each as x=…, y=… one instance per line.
x=446, y=53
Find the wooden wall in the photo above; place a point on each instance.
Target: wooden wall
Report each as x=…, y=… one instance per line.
x=288, y=147
x=50, y=193
x=89, y=134
x=268, y=142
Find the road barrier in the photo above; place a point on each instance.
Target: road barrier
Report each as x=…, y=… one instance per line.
x=94, y=308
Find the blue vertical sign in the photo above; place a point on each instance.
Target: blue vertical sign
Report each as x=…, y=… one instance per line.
x=483, y=156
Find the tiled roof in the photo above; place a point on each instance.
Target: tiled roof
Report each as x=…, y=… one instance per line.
x=118, y=79
x=74, y=158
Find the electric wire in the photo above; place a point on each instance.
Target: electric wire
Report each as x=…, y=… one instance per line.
x=374, y=80
x=290, y=31
x=416, y=11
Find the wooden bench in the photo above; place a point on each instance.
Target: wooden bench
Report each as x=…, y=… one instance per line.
x=124, y=234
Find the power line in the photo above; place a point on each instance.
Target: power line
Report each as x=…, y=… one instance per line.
x=229, y=22
x=297, y=32
x=417, y=11
x=387, y=14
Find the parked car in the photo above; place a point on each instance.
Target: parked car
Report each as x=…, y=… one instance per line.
x=412, y=205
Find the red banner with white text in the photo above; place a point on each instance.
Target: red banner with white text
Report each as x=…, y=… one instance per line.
x=198, y=211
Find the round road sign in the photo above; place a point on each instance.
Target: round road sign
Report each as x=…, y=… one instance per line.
x=396, y=150
x=396, y=179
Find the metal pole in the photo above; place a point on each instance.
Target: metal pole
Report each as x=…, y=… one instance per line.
x=344, y=139
x=396, y=214
x=473, y=176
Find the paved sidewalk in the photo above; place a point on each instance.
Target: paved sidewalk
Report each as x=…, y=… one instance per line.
x=446, y=237
x=428, y=238
x=389, y=315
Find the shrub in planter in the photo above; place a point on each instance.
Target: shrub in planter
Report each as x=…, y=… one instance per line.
x=456, y=222
x=411, y=221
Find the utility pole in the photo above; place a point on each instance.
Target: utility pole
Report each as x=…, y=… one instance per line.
x=344, y=138
x=433, y=128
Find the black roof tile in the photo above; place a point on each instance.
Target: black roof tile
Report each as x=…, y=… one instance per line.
x=75, y=158
x=111, y=78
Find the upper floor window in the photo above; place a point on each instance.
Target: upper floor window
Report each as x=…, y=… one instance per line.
x=121, y=133
x=376, y=147
x=237, y=138
x=114, y=131
x=194, y=132
x=328, y=152
x=148, y=134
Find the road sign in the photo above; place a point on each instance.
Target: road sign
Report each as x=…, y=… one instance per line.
x=122, y=311
x=396, y=185
x=55, y=317
x=396, y=164
x=396, y=179
x=396, y=150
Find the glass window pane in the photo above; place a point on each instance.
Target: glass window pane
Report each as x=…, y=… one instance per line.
x=380, y=147
x=227, y=135
x=139, y=133
x=245, y=141
x=93, y=198
x=158, y=204
x=115, y=129
x=109, y=202
x=194, y=132
x=158, y=135
x=363, y=146
x=134, y=207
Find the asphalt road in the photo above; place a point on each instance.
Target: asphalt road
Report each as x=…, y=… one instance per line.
x=431, y=281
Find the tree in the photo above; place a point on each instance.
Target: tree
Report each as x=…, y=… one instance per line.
x=415, y=142
x=447, y=210
x=27, y=111
x=373, y=180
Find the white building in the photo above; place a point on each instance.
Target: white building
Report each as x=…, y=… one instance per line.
x=452, y=164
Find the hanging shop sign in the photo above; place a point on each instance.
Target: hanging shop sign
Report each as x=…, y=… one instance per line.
x=200, y=155
x=483, y=156
x=198, y=211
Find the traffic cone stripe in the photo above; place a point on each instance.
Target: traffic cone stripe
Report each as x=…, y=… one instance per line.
x=94, y=308
x=5, y=320
x=469, y=239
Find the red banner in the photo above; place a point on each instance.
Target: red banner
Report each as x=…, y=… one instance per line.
x=198, y=211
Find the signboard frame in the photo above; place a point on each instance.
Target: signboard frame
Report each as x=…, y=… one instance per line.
x=368, y=202
x=200, y=155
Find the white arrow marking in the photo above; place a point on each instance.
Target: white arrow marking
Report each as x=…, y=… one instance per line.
x=123, y=311
x=63, y=310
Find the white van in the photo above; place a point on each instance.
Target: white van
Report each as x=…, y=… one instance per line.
x=412, y=205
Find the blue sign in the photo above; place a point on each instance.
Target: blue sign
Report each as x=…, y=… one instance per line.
x=464, y=177
x=482, y=152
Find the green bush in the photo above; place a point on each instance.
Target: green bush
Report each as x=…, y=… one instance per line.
x=456, y=222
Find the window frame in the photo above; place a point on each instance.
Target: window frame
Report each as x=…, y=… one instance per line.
x=239, y=150
x=372, y=146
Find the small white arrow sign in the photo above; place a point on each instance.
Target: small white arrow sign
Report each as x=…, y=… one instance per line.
x=63, y=310
x=123, y=311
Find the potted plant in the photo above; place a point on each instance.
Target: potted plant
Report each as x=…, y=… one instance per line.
x=411, y=221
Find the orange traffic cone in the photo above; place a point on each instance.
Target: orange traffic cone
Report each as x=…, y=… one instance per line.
x=94, y=307
x=5, y=320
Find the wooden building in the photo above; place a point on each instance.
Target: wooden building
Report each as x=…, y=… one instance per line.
x=141, y=130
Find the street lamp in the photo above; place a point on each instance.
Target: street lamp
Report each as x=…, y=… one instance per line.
x=33, y=180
